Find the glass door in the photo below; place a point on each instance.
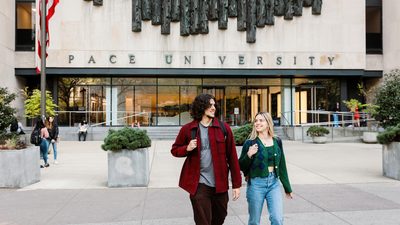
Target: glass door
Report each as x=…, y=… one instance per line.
x=257, y=100
x=315, y=98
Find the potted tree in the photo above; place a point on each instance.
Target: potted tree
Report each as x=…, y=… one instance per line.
x=318, y=134
x=387, y=98
x=19, y=163
x=370, y=135
x=128, y=157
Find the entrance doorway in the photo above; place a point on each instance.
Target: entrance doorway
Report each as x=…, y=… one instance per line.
x=311, y=100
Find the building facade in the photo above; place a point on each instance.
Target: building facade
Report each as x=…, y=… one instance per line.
x=116, y=63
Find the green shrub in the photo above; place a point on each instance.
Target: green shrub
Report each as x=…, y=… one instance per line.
x=242, y=133
x=126, y=138
x=391, y=134
x=10, y=141
x=317, y=131
x=6, y=111
x=388, y=100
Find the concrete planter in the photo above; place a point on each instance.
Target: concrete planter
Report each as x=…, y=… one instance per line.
x=129, y=168
x=319, y=140
x=391, y=160
x=370, y=137
x=19, y=168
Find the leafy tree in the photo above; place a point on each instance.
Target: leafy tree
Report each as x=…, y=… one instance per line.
x=65, y=89
x=6, y=111
x=388, y=100
x=32, y=104
x=352, y=103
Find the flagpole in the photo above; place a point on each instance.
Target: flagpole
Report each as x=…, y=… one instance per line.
x=43, y=59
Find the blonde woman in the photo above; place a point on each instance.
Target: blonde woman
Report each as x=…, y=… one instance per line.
x=263, y=163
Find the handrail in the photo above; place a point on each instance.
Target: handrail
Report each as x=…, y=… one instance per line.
x=112, y=120
x=98, y=117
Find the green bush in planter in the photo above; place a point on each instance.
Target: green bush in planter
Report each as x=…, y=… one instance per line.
x=126, y=138
x=317, y=131
x=388, y=100
x=242, y=133
x=391, y=134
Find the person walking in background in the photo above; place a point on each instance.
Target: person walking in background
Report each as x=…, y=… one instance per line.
x=44, y=144
x=356, y=117
x=83, y=127
x=52, y=127
x=263, y=163
x=210, y=154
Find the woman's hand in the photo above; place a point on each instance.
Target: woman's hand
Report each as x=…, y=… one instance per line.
x=252, y=150
x=289, y=196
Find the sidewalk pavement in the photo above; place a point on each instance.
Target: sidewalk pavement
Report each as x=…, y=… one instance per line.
x=334, y=184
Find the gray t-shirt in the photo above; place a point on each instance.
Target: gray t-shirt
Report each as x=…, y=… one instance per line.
x=206, y=166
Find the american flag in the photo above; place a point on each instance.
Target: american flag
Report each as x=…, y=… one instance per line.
x=51, y=7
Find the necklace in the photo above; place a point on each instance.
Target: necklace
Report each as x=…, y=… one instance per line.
x=267, y=142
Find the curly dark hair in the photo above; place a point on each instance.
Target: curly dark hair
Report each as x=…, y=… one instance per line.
x=200, y=104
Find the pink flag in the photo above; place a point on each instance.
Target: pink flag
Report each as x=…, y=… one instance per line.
x=51, y=7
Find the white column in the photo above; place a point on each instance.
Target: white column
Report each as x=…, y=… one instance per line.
x=391, y=34
x=287, y=102
x=111, y=106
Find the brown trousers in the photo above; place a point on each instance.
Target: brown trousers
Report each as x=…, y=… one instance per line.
x=209, y=208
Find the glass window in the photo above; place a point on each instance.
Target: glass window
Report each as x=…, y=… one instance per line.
x=374, y=29
x=264, y=81
x=179, y=81
x=168, y=105
x=224, y=81
x=188, y=93
x=145, y=105
x=25, y=26
x=125, y=105
x=133, y=81
x=233, y=105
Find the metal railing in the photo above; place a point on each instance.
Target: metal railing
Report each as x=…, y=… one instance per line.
x=341, y=124
x=104, y=118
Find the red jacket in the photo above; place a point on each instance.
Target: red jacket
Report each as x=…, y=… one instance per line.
x=223, y=154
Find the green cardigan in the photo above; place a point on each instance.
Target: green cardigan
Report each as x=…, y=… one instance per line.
x=280, y=162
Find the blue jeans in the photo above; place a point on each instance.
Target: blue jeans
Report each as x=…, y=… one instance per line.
x=54, y=144
x=44, y=147
x=266, y=189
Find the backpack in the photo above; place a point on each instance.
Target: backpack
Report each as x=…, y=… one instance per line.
x=194, y=131
x=35, y=137
x=14, y=126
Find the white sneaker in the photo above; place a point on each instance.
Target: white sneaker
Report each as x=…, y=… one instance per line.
x=55, y=162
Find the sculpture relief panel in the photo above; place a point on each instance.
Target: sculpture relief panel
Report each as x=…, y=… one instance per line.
x=194, y=15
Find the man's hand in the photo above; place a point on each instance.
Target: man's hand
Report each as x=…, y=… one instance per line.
x=235, y=193
x=192, y=145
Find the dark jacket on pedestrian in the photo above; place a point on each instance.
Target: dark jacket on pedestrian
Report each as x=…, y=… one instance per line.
x=223, y=153
x=53, y=132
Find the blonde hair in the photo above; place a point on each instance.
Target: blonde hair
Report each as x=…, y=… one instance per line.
x=253, y=135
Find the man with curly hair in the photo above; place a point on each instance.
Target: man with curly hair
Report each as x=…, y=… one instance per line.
x=210, y=154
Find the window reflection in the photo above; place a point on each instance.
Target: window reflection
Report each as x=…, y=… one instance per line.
x=168, y=105
x=145, y=105
x=188, y=93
